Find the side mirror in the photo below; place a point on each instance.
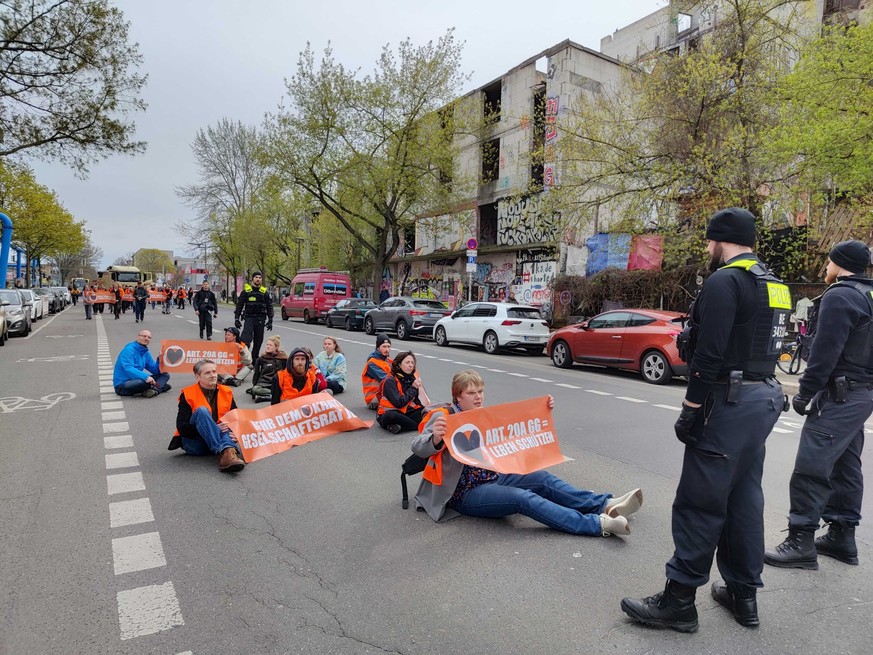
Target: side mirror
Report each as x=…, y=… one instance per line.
x=583, y=326
x=4, y=303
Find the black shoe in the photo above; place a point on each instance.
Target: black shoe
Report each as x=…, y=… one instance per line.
x=796, y=552
x=672, y=608
x=201, y=335
x=839, y=543
x=745, y=610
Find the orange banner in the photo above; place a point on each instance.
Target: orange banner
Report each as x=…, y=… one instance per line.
x=156, y=296
x=127, y=296
x=510, y=438
x=264, y=432
x=102, y=296
x=180, y=356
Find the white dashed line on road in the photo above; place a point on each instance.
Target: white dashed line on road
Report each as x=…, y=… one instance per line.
x=541, y=380
x=568, y=386
x=517, y=375
x=138, y=553
x=121, y=460
x=147, y=610
x=121, y=483
x=130, y=512
x=675, y=409
x=596, y=391
x=115, y=427
x=631, y=400
x=121, y=441
x=496, y=370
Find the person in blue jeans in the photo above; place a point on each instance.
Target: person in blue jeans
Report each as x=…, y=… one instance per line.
x=136, y=372
x=540, y=495
x=200, y=429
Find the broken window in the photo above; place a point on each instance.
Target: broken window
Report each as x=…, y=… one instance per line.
x=537, y=151
x=492, y=102
x=490, y=160
x=488, y=224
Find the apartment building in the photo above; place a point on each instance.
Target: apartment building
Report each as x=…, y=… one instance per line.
x=504, y=172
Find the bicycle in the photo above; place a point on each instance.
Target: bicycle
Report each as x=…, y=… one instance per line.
x=793, y=354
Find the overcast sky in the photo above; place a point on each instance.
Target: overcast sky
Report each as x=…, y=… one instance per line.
x=209, y=59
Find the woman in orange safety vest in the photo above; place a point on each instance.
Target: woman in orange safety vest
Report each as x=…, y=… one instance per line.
x=400, y=408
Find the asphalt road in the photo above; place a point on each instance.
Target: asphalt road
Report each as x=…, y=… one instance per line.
x=309, y=551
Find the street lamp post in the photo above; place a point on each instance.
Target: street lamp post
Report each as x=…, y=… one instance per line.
x=299, y=240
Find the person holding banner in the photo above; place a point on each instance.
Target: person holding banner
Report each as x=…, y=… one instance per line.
x=378, y=366
x=205, y=306
x=200, y=429
x=299, y=378
x=449, y=488
x=136, y=372
x=400, y=408
x=244, y=367
x=152, y=292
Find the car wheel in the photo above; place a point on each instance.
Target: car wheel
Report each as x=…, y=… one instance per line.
x=284, y=315
x=306, y=317
x=349, y=326
x=561, y=355
x=402, y=330
x=369, y=328
x=655, y=369
x=491, y=343
x=440, y=336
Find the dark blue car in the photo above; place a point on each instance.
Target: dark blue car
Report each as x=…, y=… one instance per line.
x=349, y=313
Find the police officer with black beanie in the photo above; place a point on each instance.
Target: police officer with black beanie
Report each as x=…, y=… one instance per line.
x=255, y=307
x=836, y=395
x=733, y=400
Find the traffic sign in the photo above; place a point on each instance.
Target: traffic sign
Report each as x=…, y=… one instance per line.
x=471, y=259
x=472, y=244
x=187, y=280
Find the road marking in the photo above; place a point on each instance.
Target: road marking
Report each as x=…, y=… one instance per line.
x=112, y=416
x=130, y=512
x=631, y=400
x=121, y=483
x=443, y=359
x=138, y=553
x=147, y=610
x=193, y=322
x=675, y=409
x=541, y=380
x=116, y=427
x=107, y=390
x=114, y=404
x=121, y=460
x=476, y=366
x=123, y=441
x=497, y=370
x=428, y=356
x=595, y=391
x=517, y=375
x=568, y=386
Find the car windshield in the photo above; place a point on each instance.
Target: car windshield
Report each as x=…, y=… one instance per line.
x=524, y=312
x=429, y=304
x=10, y=296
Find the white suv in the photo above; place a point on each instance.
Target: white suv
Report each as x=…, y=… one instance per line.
x=494, y=325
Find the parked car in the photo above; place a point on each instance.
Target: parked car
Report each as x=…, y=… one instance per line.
x=641, y=340
x=64, y=293
x=313, y=292
x=349, y=313
x=43, y=301
x=34, y=302
x=4, y=326
x=17, y=311
x=55, y=303
x=405, y=315
x=494, y=325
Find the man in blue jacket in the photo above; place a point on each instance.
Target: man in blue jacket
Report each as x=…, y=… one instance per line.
x=136, y=372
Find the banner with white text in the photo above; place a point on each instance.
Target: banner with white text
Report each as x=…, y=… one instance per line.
x=180, y=356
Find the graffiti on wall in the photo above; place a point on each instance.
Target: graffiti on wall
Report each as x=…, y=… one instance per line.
x=519, y=222
x=535, y=279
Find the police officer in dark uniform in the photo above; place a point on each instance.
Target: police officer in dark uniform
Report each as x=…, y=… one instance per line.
x=255, y=307
x=836, y=395
x=738, y=323
x=205, y=306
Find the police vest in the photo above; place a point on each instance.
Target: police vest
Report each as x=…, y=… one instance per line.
x=858, y=350
x=770, y=321
x=255, y=300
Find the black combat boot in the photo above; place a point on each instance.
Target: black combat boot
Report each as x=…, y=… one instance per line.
x=839, y=543
x=796, y=552
x=672, y=608
x=741, y=602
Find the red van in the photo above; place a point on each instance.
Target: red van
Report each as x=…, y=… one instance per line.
x=313, y=292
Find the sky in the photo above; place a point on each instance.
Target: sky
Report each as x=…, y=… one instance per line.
x=213, y=59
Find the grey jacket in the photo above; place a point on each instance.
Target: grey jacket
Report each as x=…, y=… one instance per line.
x=430, y=497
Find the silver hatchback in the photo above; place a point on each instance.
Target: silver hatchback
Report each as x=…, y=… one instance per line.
x=405, y=316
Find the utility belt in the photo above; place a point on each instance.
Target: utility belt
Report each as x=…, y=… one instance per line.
x=839, y=387
x=737, y=379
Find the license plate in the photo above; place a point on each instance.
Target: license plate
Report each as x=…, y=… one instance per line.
x=533, y=338
x=436, y=315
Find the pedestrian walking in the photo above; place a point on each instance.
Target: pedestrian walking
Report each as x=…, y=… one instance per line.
x=737, y=325
x=119, y=295
x=140, y=296
x=836, y=396
x=255, y=308
x=88, y=302
x=206, y=307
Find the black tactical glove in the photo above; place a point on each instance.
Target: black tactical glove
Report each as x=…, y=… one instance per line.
x=238, y=324
x=269, y=325
x=799, y=402
x=685, y=424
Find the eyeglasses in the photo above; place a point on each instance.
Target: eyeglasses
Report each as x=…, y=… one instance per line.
x=147, y=336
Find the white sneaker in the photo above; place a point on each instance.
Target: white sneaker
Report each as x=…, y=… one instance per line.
x=613, y=525
x=625, y=505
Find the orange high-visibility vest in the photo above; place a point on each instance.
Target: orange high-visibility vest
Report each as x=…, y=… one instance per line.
x=196, y=399
x=286, y=385
x=433, y=470
x=385, y=404
x=371, y=386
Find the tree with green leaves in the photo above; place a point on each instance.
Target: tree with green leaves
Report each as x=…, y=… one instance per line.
x=68, y=81
x=369, y=150
x=152, y=260
x=670, y=146
x=79, y=263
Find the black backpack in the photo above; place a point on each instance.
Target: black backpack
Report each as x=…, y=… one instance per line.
x=412, y=466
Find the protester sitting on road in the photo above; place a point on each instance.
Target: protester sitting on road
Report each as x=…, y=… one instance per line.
x=332, y=364
x=319, y=376
x=400, y=408
x=297, y=379
x=267, y=366
x=377, y=367
x=244, y=366
x=541, y=496
x=136, y=373
x=199, y=426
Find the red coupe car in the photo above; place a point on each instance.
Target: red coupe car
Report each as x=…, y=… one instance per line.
x=641, y=340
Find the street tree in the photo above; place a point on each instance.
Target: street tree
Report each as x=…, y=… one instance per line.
x=152, y=260
x=81, y=263
x=68, y=81
x=123, y=260
x=42, y=226
x=686, y=136
x=370, y=150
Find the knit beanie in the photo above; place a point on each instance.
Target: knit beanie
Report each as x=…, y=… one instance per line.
x=852, y=255
x=380, y=339
x=733, y=225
